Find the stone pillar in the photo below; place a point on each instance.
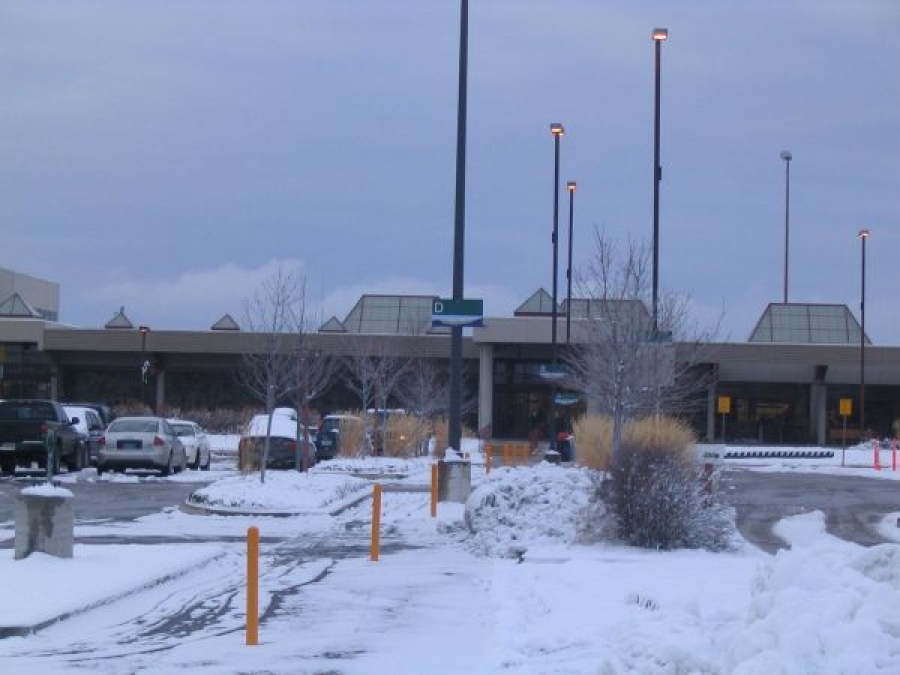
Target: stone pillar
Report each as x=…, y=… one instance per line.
x=160, y=391
x=711, y=413
x=44, y=523
x=454, y=480
x=818, y=412
x=485, y=390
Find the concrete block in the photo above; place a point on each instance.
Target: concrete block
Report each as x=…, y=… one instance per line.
x=454, y=480
x=44, y=524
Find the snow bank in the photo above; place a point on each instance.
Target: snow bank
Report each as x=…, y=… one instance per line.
x=47, y=490
x=514, y=508
x=824, y=606
x=287, y=491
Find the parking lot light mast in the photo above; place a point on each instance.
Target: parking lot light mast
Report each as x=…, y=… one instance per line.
x=660, y=35
x=145, y=364
x=454, y=431
x=570, y=186
x=863, y=235
x=558, y=131
x=787, y=157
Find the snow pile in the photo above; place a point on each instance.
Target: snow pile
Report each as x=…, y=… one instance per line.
x=514, y=508
x=387, y=467
x=47, y=490
x=282, y=492
x=825, y=606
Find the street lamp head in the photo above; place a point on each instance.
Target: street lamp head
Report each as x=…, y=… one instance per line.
x=144, y=329
x=863, y=233
x=660, y=34
x=557, y=129
x=786, y=155
x=570, y=186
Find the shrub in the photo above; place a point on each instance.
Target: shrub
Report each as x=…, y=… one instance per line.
x=593, y=437
x=404, y=435
x=654, y=493
x=442, y=434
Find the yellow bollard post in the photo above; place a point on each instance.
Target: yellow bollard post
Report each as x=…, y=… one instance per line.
x=488, y=451
x=253, y=586
x=506, y=455
x=376, y=520
x=434, y=490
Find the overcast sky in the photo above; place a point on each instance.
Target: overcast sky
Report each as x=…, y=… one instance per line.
x=168, y=156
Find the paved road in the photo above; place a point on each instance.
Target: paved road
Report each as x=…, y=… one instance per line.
x=852, y=506
x=104, y=500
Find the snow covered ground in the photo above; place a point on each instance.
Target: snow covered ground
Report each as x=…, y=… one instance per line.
x=440, y=600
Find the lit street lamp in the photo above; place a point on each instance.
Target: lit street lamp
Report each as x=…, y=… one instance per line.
x=787, y=157
x=660, y=35
x=863, y=235
x=570, y=186
x=557, y=130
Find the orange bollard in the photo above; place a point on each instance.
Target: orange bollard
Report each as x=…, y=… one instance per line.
x=876, y=456
x=434, y=490
x=894, y=455
x=252, y=586
x=488, y=450
x=506, y=455
x=376, y=520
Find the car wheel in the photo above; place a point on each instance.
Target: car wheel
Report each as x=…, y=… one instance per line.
x=167, y=470
x=205, y=466
x=8, y=466
x=196, y=464
x=76, y=463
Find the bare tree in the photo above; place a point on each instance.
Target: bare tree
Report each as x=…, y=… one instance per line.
x=275, y=322
x=622, y=366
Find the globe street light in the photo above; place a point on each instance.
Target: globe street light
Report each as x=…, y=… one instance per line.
x=863, y=235
x=557, y=130
x=570, y=186
x=660, y=35
x=787, y=157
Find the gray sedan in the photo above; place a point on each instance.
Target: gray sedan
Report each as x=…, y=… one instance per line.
x=141, y=443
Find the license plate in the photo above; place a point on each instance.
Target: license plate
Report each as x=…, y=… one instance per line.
x=128, y=445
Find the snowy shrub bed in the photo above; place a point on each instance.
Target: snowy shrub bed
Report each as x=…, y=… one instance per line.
x=287, y=491
x=516, y=507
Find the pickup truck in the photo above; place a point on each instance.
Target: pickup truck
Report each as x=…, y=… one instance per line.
x=24, y=427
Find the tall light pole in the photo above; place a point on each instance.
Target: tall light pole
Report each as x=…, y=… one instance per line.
x=557, y=130
x=145, y=364
x=660, y=35
x=570, y=186
x=863, y=235
x=787, y=157
x=454, y=430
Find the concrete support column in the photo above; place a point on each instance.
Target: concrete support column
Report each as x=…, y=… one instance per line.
x=56, y=383
x=711, y=413
x=818, y=412
x=486, y=391
x=160, y=391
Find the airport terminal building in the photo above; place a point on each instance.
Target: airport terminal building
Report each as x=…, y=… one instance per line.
x=784, y=385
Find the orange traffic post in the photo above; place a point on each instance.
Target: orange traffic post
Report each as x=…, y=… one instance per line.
x=376, y=520
x=894, y=455
x=488, y=450
x=252, y=585
x=434, y=489
x=876, y=456
x=506, y=455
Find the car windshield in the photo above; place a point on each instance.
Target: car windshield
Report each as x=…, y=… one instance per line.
x=183, y=429
x=10, y=410
x=143, y=426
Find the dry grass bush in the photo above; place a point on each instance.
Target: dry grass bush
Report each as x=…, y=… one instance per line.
x=353, y=436
x=593, y=437
x=660, y=434
x=441, y=429
x=404, y=435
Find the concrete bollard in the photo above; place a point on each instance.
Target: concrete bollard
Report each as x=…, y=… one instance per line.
x=454, y=480
x=45, y=522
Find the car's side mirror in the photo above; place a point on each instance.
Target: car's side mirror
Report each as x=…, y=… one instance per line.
x=74, y=421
